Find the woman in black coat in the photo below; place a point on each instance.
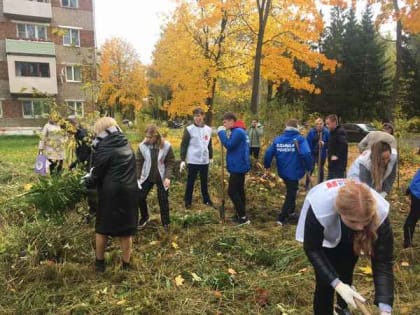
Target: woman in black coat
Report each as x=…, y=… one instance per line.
x=340, y=220
x=114, y=174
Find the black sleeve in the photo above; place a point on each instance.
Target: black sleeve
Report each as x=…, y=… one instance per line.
x=210, y=149
x=184, y=144
x=341, y=145
x=382, y=263
x=100, y=165
x=312, y=244
x=169, y=163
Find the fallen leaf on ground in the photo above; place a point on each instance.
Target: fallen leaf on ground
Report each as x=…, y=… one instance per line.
x=232, y=271
x=196, y=277
x=179, y=281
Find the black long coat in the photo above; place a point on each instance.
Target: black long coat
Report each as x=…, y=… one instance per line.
x=114, y=174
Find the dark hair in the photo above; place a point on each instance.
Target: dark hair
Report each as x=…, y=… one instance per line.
x=292, y=123
x=198, y=111
x=388, y=126
x=332, y=117
x=229, y=116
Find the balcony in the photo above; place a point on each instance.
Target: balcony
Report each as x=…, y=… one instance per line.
x=32, y=74
x=34, y=10
x=27, y=47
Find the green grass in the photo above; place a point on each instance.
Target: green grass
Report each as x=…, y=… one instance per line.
x=46, y=267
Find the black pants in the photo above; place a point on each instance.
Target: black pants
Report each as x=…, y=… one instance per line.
x=162, y=198
x=336, y=174
x=193, y=170
x=343, y=260
x=236, y=192
x=56, y=167
x=255, y=152
x=411, y=221
x=289, y=204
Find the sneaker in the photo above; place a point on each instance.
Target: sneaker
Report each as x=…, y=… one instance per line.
x=210, y=204
x=279, y=223
x=143, y=222
x=187, y=206
x=100, y=265
x=166, y=227
x=293, y=218
x=125, y=266
x=243, y=221
x=342, y=311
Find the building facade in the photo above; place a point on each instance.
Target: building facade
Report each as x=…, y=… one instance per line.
x=47, y=52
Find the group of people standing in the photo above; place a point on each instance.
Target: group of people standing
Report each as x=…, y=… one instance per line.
x=341, y=218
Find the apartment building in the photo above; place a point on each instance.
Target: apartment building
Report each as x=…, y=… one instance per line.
x=47, y=51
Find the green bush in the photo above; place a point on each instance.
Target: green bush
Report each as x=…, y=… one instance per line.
x=414, y=125
x=54, y=195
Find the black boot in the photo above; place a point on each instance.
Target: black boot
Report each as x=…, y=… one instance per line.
x=100, y=265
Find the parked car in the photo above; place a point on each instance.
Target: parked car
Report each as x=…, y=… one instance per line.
x=175, y=124
x=357, y=131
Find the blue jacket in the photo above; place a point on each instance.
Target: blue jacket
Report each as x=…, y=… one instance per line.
x=237, y=149
x=292, y=162
x=313, y=139
x=415, y=185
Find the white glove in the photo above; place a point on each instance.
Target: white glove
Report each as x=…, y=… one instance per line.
x=348, y=294
x=181, y=166
x=85, y=178
x=139, y=184
x=384, y=313
x=221, y=128
x=166, y=183
x=383, y=194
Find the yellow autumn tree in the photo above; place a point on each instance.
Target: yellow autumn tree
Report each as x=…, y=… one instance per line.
x=197, y=52
x=283, y=32
x=122, y=78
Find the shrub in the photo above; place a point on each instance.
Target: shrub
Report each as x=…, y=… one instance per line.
x=52, y=196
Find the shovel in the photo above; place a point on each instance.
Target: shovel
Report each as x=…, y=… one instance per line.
x=222, y=206
x=361, y=307
x=319, y=157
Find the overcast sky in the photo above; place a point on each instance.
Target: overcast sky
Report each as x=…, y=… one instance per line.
x=137, y=21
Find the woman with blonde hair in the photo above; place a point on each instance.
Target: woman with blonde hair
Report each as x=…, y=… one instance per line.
x=376, y=167
x=155, y=160
x=340, y=220
x=114, y=175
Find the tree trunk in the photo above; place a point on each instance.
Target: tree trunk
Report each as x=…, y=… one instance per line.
x=264, y=8
x=398, y=61
x=210, y=102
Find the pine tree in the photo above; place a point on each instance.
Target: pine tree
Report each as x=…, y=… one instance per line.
x=375, y=85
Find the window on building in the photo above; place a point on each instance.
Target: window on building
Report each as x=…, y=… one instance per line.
x=70, y=3
x=73, y=74
x=75, y=108
x=35, y=108
x=32, y=31
x=32, y=69
x=71, y=37
x=45, y=1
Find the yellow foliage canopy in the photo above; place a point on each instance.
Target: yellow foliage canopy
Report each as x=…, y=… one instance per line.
x=122, y=76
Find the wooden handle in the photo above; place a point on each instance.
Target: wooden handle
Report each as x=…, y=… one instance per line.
x=362, y=307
